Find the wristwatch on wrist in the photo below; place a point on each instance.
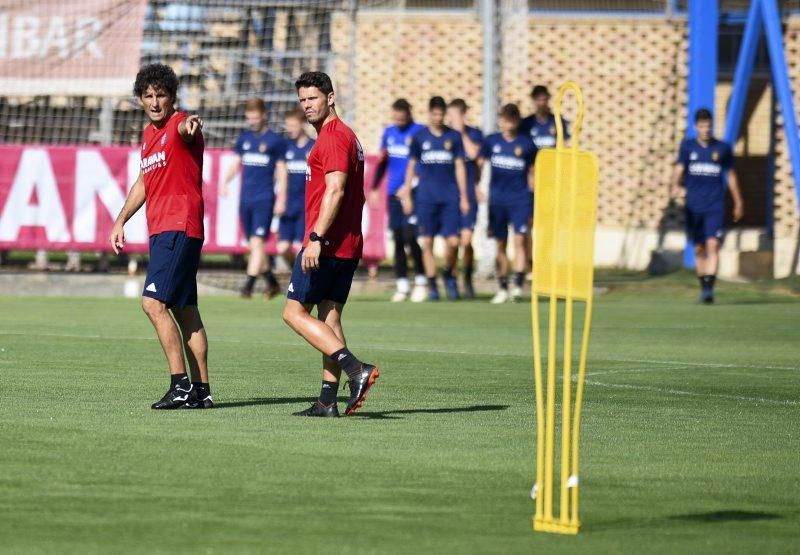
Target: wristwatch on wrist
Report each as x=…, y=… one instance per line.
x=315, y=237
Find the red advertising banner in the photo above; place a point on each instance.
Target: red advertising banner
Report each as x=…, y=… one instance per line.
x=66, y=198
x=89, y=47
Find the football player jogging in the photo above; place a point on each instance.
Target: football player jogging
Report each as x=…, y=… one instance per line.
x=324, y=268
x=170, y=180
x=394, y=159
x=510, y=157
x=706, y=164
x=292, y=225
x=261, y=157
x=472, y=137
x=437, y=157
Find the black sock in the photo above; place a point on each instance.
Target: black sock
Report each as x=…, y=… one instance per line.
x=708, y=282
x=702, y=280
x=251, y=281
x=179, y=379
x=348, y=362
x=270, y=279
x=202, y=388
x=432, y=283
x=503, y=282
x=327, y=396
x=447, y=273
x=468, y=274
x=519, y=278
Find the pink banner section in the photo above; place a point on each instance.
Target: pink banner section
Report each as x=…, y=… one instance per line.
x=66, y=198
x=89, y=47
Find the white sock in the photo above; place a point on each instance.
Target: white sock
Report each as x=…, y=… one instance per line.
x=420, y=279
x=403, y=286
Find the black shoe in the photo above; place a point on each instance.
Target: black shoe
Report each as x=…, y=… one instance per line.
x=360, y=386
x=318, y=409
x=469, y=290
x=199, y=400
x=707, y=297
x=174, y=398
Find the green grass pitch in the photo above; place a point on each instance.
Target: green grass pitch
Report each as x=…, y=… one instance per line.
x=690, y=443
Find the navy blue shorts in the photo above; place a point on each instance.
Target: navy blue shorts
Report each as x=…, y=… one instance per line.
x=704, y=225
x=331, y=282
x=467, y=221
x=440, y=218
x=256, y=217
x=517, y=216
x=172, y=271
x=292, y=227
x=397, y=219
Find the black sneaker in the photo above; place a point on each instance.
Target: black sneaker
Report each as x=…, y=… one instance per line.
x=318, y=409
x=199, y=400
x=360, y=386
x=174, y=398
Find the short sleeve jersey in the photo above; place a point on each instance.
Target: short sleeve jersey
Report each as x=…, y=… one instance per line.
x=476, y=136
x=337, y=150
x=543, y=134
x=436, y=157
x=510, y=162
x=173, y=179
x=296, y=164
x=395, y=143
x=705, y=168
x=259, y=153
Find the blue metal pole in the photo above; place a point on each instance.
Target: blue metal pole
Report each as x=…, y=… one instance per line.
x=783, y=87
x=744, y=69
x=703, y=39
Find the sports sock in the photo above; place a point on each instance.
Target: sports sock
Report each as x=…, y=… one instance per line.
x=270, y=279
x=447, y=273
x=179, y=379
x=468, y=274
x=202, y=388
x=519, y=278
x=403, y=285
x=348, y=362
x=249, y=283
x=503, y=280
x=432, y=283
x=708, y=282
x=702, y=280
x=327, y=396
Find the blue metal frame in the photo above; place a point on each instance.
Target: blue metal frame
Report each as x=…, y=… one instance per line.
x=765, y=12
x=703, y=46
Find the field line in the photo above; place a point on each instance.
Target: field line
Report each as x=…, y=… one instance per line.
x=669, y=391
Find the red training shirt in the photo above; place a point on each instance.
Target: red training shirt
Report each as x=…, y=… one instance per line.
x=337, y=149
x=173, y=179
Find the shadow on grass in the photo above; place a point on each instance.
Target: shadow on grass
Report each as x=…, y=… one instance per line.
x=445, y=410
x=263, y=401
x=726, y=516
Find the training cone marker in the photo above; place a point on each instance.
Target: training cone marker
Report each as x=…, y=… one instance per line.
x=563, y=255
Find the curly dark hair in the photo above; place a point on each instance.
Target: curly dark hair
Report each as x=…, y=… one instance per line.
x=159, y=76
x=315, y=79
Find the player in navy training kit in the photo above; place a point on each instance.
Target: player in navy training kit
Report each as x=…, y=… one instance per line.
x=510, y=157
x=394, y=159
x=472, y=137
x=706, y=163
x=291, y=228
x=437, y=157
x=261, y=156
x=540, y=126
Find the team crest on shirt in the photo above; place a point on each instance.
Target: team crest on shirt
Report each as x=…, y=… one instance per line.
x=496, y=149
x=246, y=145
x=552, y=130
x=693, y=156
x=518, y=151
x=164, y=139
x=426, y=145
x=144, y=145
x=715, y=156
x=408, y=141
x=262, y=147
x=290, y=155
x=448, y=145
x=390, y=140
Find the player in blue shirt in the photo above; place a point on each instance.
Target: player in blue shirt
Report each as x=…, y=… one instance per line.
x=472, y=137
x=540, y=126
x=292, y=224
x=261, y=156
x=706, y=164
x=510, y=156
x=394, y=159
x=436, y=157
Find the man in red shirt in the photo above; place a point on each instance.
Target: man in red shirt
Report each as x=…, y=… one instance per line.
x=170, y=180
x=324, y=268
